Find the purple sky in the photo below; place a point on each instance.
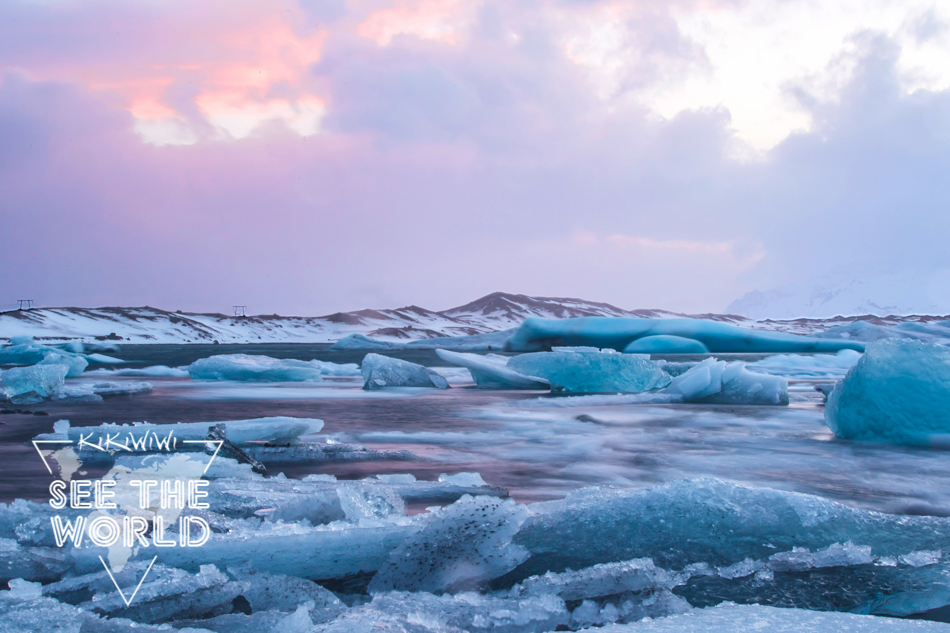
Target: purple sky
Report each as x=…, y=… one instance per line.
x=325, y=155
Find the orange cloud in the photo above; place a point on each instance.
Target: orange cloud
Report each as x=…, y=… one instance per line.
x=438, y=20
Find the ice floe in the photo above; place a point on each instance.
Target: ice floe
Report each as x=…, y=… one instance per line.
x=380, y=372
x=537, y=334
x=899, y=391
x=808, y=366
x=29, y=385
x=583, y=370
x=491, y=371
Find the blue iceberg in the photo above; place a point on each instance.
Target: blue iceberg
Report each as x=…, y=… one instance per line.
x=899, y=391
x=29, y=385
x=717, y=382
x=592, y=371
x=537, y=334
x=666, y=344
x=361, y=341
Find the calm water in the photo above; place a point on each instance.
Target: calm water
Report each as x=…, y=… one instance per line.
x=528, y=442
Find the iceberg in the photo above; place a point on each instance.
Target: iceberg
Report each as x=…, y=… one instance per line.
x=490, y=371
x=76, y=364
x=717, y=382
x=155, y=370
x=666, y=344
x=246, y=367
x=898, y=392
x=808, y=366
x=361, y=341
x=380, y=372
x=489, y=341
x=592, y=371
x=28, y=385
x=26, y=351
x=536, y=334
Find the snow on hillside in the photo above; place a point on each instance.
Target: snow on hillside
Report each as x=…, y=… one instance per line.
x=494, y=312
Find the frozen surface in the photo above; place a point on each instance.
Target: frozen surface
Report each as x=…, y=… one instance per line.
x=666, y=344
x=899, y=391
x=617, y=333
x=491, y=371
x=489, y=341
x=33, y=384
x=253, y=368
x=718, y=382
x=733, y=618
x=591, y=371
x=76, y=363
x=380, y=372
x=155, y=370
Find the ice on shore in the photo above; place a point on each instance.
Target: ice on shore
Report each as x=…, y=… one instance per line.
x=254, y=368
x=491, y=371
x=28, y=385
x=735, y=618
x=899, y=391
x=717, y=382
x=380, y=372
x=536, y=334
x=666, y=344
x=592, y=371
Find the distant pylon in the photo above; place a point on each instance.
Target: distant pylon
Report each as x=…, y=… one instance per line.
x=24, y=304
x=240, y=311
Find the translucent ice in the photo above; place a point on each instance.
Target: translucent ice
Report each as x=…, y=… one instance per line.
x=617, y=333
x=33, y=384
x=253, y=368
x=666, y=344
x=75, y=363
x=808, y=366
x=461, y=548
x=899, y=391
x=491, y=371
x=583, y=371
x=718, y=382
x=380, y=372
x=361, y=341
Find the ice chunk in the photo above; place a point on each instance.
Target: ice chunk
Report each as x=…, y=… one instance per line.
x=489, y=341
x=95, y=390
x=808, y=366
x=666, y=344
x=732, y=618
x=491, y=371
x=361, y=341
x=76, y=364
x=899, y=391
x=33, y=384
x=592, y=371
x=605, y=579
x=380, y=372
x=155, y=370
x=463, y=479
x=254, y=368
x=471, y=612
x=718, y=382
x=462, y=547
x=277, y=592
x=277, y=430
x=617, y=333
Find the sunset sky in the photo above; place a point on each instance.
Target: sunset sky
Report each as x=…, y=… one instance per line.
x=322, y=155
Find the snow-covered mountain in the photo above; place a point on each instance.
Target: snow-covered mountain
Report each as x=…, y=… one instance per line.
x=837, y=295
x=494, y=312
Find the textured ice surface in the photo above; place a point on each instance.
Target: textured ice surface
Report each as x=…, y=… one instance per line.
x=33, y=384
x=733, y=618
x=462, y=547
x=380, y=372
x=899, y=392
x=718, y=382
x=278, y=430
x=491, y=371
x=808, y=366
x=155, y=370
x=253, y=368
x=582, y=371
x=666, y=344
x=617, y=333
x=95, y=389
x=76, y=364
x=361, y=341
x=937, y=332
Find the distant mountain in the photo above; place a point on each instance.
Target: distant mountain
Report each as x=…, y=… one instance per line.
x=841, y=295
x=494, y=312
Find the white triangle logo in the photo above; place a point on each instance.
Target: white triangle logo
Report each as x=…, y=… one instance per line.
x=128, y=600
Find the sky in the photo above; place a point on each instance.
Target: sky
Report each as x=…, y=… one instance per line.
x=310, y=156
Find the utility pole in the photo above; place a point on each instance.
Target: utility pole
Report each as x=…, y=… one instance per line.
x=24, y=304
x=240, y=311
